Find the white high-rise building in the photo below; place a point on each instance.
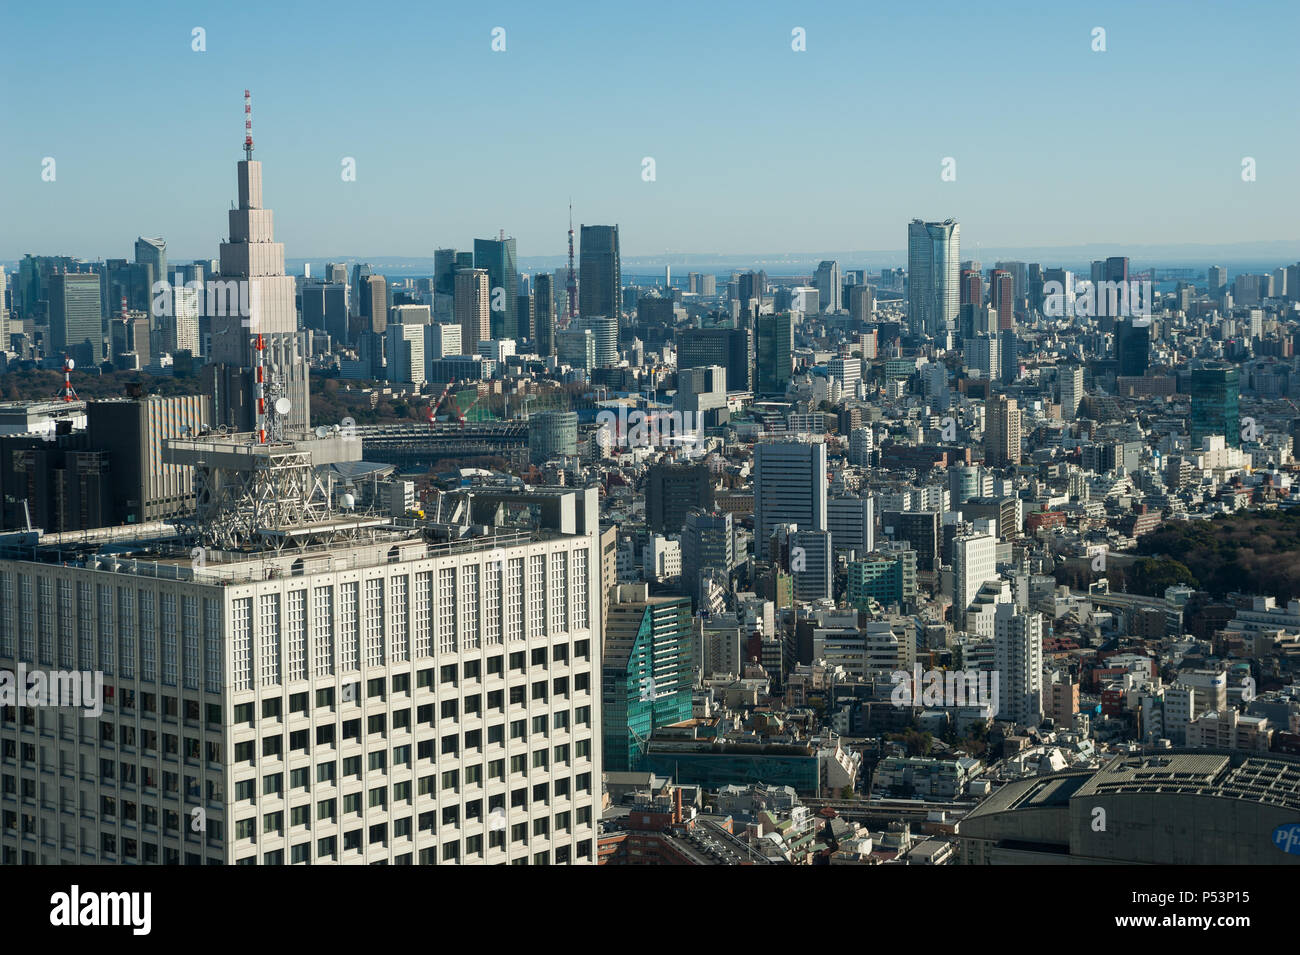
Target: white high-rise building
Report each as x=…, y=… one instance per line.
x=846, y=370
x=441, y=341
x=974, y=560
x=1018, y=661
x=1071, y=378
x=830, y=286
x=662, y=557
x=252, y=301
x=982, y=354
x=471, y=305
x=805, y=300
x=789, y=487
x=182, y=328
x=405, y=347
x=365, y=697
x=4, y=314
x=861, y=444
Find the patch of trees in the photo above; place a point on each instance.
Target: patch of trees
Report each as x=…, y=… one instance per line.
x=1254, y=552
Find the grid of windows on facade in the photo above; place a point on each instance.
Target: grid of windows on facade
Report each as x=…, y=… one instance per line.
x=141, y=784
x=346, y=732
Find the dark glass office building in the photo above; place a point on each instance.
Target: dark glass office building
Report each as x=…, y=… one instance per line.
x=499, y=258
x=544, y=313
x=1214, y=405
x=732, y=348
x=1132, y=347
x=600, y=272
x=775, y=338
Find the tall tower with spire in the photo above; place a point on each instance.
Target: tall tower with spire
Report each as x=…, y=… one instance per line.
x=259, y=356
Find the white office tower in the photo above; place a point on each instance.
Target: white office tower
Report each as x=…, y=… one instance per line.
x=851, y=521
x=405, y=347
x=401, y=497
x=181, y=330
x=1018, y=661
x=441, y=341
x=1071, y=378
x=805, y=299
x=337, y=689
x=605, y=330
x=848, y=371
x=974, y=560
x=830, y=286
x=4, y=314
x=662, y=557
x=933, y=277
x=861, y=444
x=252, y=275
x=700, y=390
x=789, y=486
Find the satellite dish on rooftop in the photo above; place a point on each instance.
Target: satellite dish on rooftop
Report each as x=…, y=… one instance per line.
x=322, y=431
x=282, y=406
x=71, y=364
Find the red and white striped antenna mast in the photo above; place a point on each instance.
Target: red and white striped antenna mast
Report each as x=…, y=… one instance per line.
x=259, y=389
x=69, y=393
x=259, y=346
x=573, y=280
x=248, y=125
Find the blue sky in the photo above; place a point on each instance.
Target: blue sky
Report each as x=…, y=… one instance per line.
x=757, y=148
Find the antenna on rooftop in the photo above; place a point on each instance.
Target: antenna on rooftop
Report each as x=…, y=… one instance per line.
x=69, y=393
x=248, y=125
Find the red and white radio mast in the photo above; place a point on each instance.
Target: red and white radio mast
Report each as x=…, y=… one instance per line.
x=248, y=125
x=69, y=393
x=259, y=346
x=573, y=279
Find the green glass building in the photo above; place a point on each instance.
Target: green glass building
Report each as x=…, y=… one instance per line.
x=498, y=257
x=600, y=272
x=544, y=313
x=888, y=578
x=775, y=349
x=647, y=672
x=1214, y=405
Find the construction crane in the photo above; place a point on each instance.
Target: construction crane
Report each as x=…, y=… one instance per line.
x=433, y=408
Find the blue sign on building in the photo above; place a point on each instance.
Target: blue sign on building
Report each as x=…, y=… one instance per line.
x=1287, y=838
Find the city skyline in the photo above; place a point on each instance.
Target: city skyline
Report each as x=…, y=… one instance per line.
x=441, y=507
x=1048, y=173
